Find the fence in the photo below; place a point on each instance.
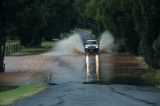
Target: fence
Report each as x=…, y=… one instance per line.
x=12, y=47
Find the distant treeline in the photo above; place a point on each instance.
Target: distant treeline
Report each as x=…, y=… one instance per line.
x=135, y=23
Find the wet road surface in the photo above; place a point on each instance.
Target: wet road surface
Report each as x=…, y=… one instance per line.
x=89, y=80
x=103, y=79
x=76, y=94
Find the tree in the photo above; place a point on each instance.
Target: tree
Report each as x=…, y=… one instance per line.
x=31, y=21
x=148, y=26
x=94, y=15
x=62, y=18
x=5, y=25
x=135, y=22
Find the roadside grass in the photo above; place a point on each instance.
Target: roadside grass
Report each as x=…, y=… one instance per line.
x=158, y=76
x=152, y=76
x=35, y=50
x=45, y=45
x=9, y=97
x=11, y=43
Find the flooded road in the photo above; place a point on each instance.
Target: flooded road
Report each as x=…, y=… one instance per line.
x=94, y=80
x=77, y=79
x=99, y=68
x=120, y=69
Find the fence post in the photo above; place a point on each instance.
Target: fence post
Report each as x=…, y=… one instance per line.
x=12, y=47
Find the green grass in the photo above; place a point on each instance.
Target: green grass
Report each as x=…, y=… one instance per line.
x=11, y=42
x=158, y=76
x=30, y=50
x=48, y=44
x=152, y=76
x=34, y=50
x=9, y=97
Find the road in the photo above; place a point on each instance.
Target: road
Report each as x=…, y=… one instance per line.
x=87, y=80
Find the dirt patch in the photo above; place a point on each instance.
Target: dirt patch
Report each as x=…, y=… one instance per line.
x=17, y=78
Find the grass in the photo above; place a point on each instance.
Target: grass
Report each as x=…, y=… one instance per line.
x=158, y=76
x=152, y=76
x=48, y=44
x=9, y=97
x=12, y=43
x=34, y=50
x=44, y=46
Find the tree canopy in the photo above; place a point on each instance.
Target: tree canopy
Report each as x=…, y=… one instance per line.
x=135, y=22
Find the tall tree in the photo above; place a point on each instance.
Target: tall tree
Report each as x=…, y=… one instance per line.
x=62, y=17
x=146, y=15
x=2, y=38
x=7, y=18
x=31, y=21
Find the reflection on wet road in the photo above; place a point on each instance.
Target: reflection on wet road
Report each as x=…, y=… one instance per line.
x=97, y=67
x=76, y=75
x=102, y=68
x=68, y=68
x=92, y=68
x=109, y=69
x=71, y=71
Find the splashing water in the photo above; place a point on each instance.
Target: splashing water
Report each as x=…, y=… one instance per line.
x=70, y=45
x=73, y=45
x=107, y=43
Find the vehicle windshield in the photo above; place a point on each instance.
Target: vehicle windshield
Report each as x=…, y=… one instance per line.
x=91, y=42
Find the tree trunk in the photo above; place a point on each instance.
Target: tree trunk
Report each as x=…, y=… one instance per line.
x=2, y=40
x=2, y=53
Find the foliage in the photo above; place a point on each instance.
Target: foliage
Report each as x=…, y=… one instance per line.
x=36, y=50
x=147, y=25
x=151, y=76
x=135, y=22
x=30, y=22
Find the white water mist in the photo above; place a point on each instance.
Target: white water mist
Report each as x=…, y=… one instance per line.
x=70, y=45
x=107, y=43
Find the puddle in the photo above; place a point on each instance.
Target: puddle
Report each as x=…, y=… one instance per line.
x=103, y=68
x=13, y=79
x=69, y=68
x=66, y=62
x=114, y=69
x=97, y=69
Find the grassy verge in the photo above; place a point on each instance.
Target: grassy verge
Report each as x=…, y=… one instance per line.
x=152, y=76
x=11, y=43
x=8, y=97
x=45, y=45
x=35, y=50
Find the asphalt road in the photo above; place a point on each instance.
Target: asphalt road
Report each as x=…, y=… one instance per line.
x=71, y=75
x=76, y=94
x=87, y=80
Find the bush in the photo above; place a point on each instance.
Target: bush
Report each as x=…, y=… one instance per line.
x=157, y=76
x=156, y=45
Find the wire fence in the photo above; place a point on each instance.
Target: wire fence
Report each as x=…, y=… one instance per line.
x=12, y=47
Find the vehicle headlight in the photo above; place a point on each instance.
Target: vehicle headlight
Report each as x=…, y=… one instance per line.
x=96, y=46
x=86, y=46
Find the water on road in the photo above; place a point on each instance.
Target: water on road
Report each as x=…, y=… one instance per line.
x=104, y=79
x=99, y=68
